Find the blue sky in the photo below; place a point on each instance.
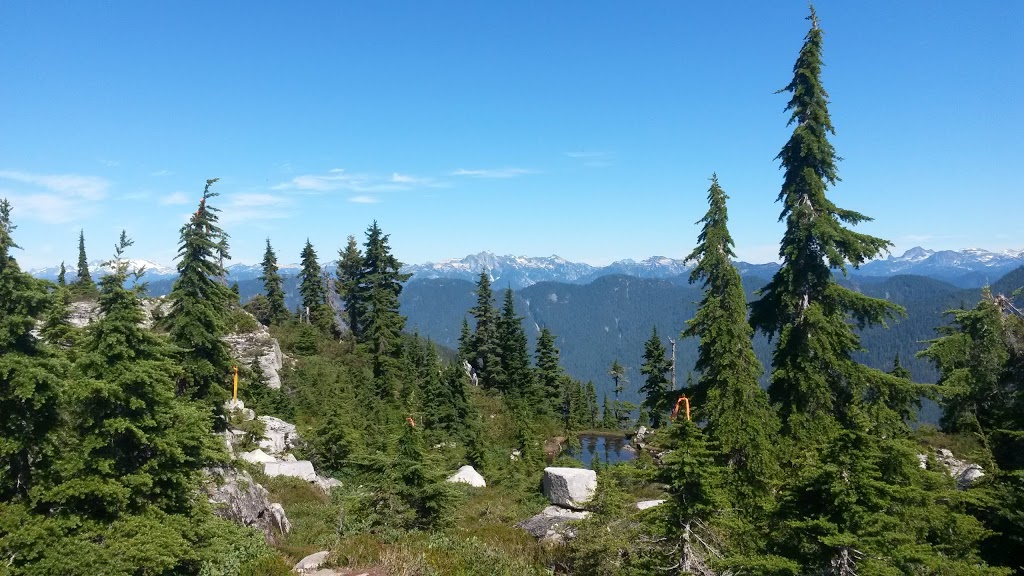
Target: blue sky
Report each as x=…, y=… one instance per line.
x=581, y=128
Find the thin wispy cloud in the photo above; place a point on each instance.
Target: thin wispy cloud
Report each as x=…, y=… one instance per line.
x=364, y=199
x=53, y=198
x=587, y=154
x=175, y=198
x=492, y=172
x=256, y=200
x=252, y=207
x=592, y=158
x=365, y=187
x=161, y=173
x=110, y=163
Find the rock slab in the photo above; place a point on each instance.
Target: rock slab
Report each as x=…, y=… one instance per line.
x=311, y=563
x=302, y=469
x=551, y=524
x=468, y=475
x=237, y=497
x=569, y=487
x=645, y=504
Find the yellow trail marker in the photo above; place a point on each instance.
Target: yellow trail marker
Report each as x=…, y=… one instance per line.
x=234, y=394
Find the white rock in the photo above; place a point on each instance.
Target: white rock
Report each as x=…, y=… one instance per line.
x=279, y=436
x=302, y=469
x=569, y=487
x=290, y=458
x=468, y=475
x=311, y=562
x=550, y=524
x=237, y=497
x=922, y=461
x=327, y=484
x=257, y=456
x=645, y=504
x=640, y=437
x=965, y=473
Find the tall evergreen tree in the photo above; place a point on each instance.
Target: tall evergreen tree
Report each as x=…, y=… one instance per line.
x=199, y=305
x=380, y=284
x=814, y=379
x=549, y=371
x=727, y=395
x=29, y=377
x=61, y=276
x=515, y=376
x=84, y=277
x=592, y=406
x=313, y=291
x=137, y=444
x=57, y=329
x=485, y=337
x=273, y=286
x=350, y=264
x=656, y=369
x=465, y=341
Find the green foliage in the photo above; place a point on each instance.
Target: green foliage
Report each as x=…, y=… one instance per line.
x=727, y=395
x=199, y=304
x=515, y=377
x=381, y=324
x=29, y=376
x=350, y=264
x=656, y=369
x=485, y=351
x=814, y=376
x=315, y=309
x=136, y=444
x=273, y=287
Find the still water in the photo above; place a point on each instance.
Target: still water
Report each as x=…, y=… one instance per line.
x=605, y=449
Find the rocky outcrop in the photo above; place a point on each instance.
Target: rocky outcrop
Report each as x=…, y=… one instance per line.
x=965, y=473
x=81, y=314
x=312, y=563
x=258, y=345
x=569, y=487
x=640, y=437
x=235, y=496
x=302, y=469
x=468, y=475
x=278, y=436
x=551, y=525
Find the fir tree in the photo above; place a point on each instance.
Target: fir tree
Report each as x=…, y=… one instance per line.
x=29, y=377
x=485, y=338
x=418, y=483
x=549, y=372
x=84, y=277
x=618, y=374
x=814, y=378
x=199, y=305
x=61, y=280
x=137, y=445
x=273, y=286
x=350, y=264
x=592, y=406
x=381, y=324
x=515, y=376
x=57, y=329
x=656, y=369
x=728, y=396
x=608, y=418
x=313, y=291
x=465, y=341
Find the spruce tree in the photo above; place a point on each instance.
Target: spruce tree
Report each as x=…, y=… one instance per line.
x=313, y=291
x=549, y=372
x=57, y=329
x=465, y=341
x=380, y=284
x=592, y=406
x=350, y=264
x=727, y=395
x=485, y=337
x=61, y=276
x=137, y=445
x=656, y=369
x=814, y=378
x=515, y=375
x=29, y=376
x=84, y=277
x=199, y=306
x=273, y=286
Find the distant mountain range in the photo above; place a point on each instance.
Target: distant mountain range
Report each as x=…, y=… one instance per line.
x=970, y=268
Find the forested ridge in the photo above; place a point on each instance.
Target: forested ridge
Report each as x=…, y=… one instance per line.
x=786, y=446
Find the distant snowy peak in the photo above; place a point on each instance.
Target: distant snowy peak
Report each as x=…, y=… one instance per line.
x=104, y=267
x=947, y=264
x=513, y=271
